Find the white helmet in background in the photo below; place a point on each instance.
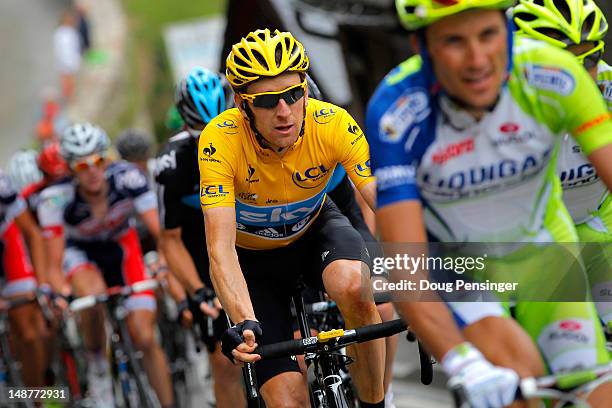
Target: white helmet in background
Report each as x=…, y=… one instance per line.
x=83, y=139
x=23, y=170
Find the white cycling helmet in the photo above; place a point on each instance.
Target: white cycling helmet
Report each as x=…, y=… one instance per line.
x=23, y=169
x=83, y=139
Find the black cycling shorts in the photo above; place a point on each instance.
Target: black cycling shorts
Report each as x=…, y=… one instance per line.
x=273, y=275
x=344, y=198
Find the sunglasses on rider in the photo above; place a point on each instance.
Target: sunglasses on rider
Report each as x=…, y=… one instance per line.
x=269, y=100
x=591, y=58
x=93, y=160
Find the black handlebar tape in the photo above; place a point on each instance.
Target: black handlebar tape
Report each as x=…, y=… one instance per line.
x=282, y=349
x=376, y=331
x=426, y=366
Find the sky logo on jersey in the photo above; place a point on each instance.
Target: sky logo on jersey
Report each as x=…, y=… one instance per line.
x=278, y=215
x=310, y=178
x=363, y=169
x=166, y=161
x=550, y=79
x=324, y=115
x=453, y=150
x=410, y=108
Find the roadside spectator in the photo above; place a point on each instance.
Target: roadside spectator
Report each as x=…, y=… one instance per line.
x=82, y=26
x=67, y=48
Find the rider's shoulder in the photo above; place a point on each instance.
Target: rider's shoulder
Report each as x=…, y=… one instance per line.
x=407, y=80
x=228, y=123
x=8, y=194
x=320, y=113
x=604, y=81
x=172, y=155
x=126, y=177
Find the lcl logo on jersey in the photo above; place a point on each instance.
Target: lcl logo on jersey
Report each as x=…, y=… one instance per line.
x=311, y=177
x=363, y=169
x=324, y=115
x=227, y=124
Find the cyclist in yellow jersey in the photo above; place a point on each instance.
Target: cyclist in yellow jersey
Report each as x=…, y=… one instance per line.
x=264, y=167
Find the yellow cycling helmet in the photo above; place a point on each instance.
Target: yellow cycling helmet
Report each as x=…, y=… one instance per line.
x=264, y=54
x=560, y=22
x=416, y=14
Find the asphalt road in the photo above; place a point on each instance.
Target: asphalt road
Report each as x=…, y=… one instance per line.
x=26, y=67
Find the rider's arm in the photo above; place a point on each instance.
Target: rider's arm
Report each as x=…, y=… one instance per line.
x=368, y=193
x=403, y=222
x=151, y=220
x=50, y=216
x=601, y=160
x=54, y=249
x=32, y=234
x=178, y=258
x=228, y=280
x=352, y=150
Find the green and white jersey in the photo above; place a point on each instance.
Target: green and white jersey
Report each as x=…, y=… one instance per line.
x=584, y=194
x=491, y=180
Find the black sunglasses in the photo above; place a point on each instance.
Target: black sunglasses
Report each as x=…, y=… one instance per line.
x=269, y=100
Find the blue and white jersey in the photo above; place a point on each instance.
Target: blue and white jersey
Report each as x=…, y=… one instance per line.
x=491, y=180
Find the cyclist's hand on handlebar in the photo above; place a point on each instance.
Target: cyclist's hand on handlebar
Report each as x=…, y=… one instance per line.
x=203, y=297
x=185, y=317
x=485, y=385
x=239, y=341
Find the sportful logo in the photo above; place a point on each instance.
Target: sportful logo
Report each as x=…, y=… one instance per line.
x=452, y=151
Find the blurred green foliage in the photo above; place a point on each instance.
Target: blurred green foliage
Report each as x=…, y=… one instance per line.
x=150, y=86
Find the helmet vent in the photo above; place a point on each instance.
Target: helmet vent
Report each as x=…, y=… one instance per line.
x=587, y=26
x=409, y=9
x=278, y=54
x=260, y=58
x=525, y=16
x=564, y=10
x=539, y=2
x=551, y=32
